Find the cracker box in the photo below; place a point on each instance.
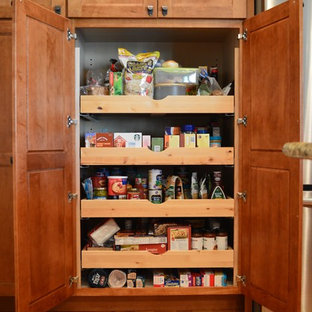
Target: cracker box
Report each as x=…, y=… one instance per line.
x=146, y=141
x=172, y=140
x=128, y=139
x=90, y=139
x=179, y=237
x=158, y=279
x=190, y=140
x=203, y=140
x=208, y=278
x=104, y=139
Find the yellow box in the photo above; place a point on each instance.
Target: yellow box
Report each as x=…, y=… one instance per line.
x=203, y=140
x=189, y=140
x=172, y=140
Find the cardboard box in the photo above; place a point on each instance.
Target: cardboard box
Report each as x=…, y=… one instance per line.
x=153, y=248
x=146, y=141
x=172, y=141
x=128, y=139
x=179, y=237
x=157, y=144
x=90, y=139
x=104, y=139
x=203, y=140
x=140, y=240
x=158, y=279
x=190, y=140
x=208, y=278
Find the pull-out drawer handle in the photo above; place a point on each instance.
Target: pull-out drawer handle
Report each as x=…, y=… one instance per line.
x=164, y=10
x=150, y=10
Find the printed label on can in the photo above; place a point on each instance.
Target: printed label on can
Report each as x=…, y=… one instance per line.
x=155, y=179
x=155, y=196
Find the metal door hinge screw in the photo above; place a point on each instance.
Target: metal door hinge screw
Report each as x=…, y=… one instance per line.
x=243, y=36
x=242, y=195
x=72, y=196
x=242, y=121
x=70, y=121
x=241, y=279
x=73, y=279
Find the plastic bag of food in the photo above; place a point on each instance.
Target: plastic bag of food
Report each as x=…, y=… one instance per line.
x=138, y=71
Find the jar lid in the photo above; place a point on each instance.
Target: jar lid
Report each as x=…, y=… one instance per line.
x=215, y=138
x=222, y=234
x=187, y=128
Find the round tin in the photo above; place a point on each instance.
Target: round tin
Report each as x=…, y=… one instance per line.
x=155, y=179
x=155, y=196
x=117, y=185
x=100, y=193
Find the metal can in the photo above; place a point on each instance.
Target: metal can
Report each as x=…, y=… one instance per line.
x=133, y=194
x=222, y=241
x=117, y=186
x=155, y=196
x=155, y=179
x=100, y=193
x=209, y=241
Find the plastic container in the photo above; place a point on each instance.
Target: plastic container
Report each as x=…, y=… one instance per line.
x=162, y=90
x=176, y=75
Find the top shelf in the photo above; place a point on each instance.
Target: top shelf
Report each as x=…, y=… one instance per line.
x=96, y=104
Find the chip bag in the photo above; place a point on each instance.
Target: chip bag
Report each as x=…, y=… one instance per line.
x=138, y=75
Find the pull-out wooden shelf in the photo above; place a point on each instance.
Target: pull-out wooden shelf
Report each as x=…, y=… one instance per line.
x=94, y=104
x=146, y=209
x=154, y=291
x=170, y=156
x=170, y=259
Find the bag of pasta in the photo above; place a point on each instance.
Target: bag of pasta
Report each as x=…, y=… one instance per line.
x=138, y=71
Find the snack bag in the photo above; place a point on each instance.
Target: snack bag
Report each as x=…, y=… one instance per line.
x=138, y=71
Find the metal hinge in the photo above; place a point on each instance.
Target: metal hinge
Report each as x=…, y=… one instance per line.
x=71, y=35
x=242, y=195
x=242, y=121
x=243, y=36
x=73, y=279
x=70, y=121
x=241, y=279
x=72, y=196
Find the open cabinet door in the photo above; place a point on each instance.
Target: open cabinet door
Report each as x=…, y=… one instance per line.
x=43, y=158
x=271, y=216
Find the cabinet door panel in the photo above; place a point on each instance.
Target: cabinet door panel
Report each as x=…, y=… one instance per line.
x=43, y=158
x=5, y=9
x=271, y=218
x=203, y=8
x=111, y=8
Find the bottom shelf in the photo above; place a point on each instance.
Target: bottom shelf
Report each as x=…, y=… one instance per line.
x=153, y=291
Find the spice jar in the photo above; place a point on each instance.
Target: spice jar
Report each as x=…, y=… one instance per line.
x=209, y=241
x=197, y=241
x=222, y=241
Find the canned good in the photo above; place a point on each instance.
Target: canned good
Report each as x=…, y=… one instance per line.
x=117, y=186
x=100, y=193
x=117, y=196
x=133, y=194
x=197, y=241
x=209, y=241
x=222, y=241
x=215, y=141
x=155, y=179
x=155, y=196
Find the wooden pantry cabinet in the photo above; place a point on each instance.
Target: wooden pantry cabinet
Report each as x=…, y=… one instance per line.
x=45, y=159
x=157, y=9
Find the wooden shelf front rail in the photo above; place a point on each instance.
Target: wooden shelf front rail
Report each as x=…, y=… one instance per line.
x=145, y=209
x=169, y=156
x=154, y=291
x=170, y=259
x=135, y=104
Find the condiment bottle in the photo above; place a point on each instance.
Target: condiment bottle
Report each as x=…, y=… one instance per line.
x=138, y=185
x=194, y=185
x=217, y=188
x=197, y=241
x=222, y=241
x=209, y=241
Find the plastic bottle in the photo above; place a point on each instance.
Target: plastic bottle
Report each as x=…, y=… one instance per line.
x=194, y=185
x=217, y=189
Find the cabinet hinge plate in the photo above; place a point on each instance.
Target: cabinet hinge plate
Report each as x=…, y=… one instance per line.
x=241, y=279
x=242, y=195
x=71, y=35
x=70, y=121
x=73, y=279
x=243, y=36
x=242, y=121
x=72, y=196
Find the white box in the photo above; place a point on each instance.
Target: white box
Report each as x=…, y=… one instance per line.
x=128, y=139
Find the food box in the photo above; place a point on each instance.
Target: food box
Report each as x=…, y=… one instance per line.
x=171, y=280
x=203, y=140
x=140, y=240
x=185, y=279
x=176, y=75
x=128, y=139
x=115, y=83
x=90, y=139
x=146, y=141
x=158, y=279
x=104, y=139
x=172, y=141
x=179, y=237
x=103, y=232
x=220, y=279
x=157, y=144
x=208, y=278
x=188, y=140
x=153, y=248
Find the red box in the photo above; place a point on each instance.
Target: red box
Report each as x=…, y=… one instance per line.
x=104, y=139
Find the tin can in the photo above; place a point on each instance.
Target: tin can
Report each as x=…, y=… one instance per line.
x=100, y=193
x=197, y=241
x=209, y=241
x=99, y=180
x=155, y=179
x=117, y=186
x=222, y=241
x=155, y=196
x=133, y=194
